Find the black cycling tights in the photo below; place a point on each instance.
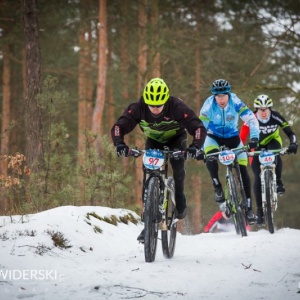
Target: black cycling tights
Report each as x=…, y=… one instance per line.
x=213, y=168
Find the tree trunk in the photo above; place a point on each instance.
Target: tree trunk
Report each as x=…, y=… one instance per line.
x=81, y=90
x=84, y=74
x=197, y=103
x=5, y=109
x=125, y=40
x=4, y=200
x=102, y=65
x=89, y=81
x=142, y=47
x=85, y=107
x=33, y=120
x=142, y=68
x=124, y=54
x=155, y=54
x=110, y=109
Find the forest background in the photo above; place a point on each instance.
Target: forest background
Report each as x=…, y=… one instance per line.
x=69, y=69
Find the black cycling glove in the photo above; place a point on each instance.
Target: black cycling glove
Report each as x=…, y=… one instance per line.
x=200, y=155
x=292, y=148
x=122, y=149
x=253, y=144
x=191, y=151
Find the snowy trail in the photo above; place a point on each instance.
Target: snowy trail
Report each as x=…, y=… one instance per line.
x=111, y=265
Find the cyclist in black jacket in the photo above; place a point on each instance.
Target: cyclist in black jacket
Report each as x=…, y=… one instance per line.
x=164, y=120
x=270, y=121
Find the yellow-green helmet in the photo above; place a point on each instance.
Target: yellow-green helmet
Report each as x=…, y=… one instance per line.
x=156, y=92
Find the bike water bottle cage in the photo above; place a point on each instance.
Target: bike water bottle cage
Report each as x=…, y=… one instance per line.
x=226, y=157
x=266, y=158
x=153, y=159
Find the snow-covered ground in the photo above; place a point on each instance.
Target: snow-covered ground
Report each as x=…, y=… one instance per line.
x=110, y=265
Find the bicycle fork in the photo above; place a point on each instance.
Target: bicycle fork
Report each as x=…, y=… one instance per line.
x=228, y=193
x=273, y=186
x=164, y=205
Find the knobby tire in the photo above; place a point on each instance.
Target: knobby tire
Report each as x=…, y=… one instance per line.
x=237, y=214
x=269, y=194
x=232, y=208
x=151, y=216
x=168, y=237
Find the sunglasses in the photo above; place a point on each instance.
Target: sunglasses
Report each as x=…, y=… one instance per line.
x=156, y=106
x=263, y=109
x=220, y=95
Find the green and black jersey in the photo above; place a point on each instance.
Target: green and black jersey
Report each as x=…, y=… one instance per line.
x=175, y=118
x=270, y=130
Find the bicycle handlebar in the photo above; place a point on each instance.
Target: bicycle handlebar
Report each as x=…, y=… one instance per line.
x=172, y=154
x=281, y=151
x=239, y=150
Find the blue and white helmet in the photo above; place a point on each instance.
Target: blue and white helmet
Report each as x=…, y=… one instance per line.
x=220, y=86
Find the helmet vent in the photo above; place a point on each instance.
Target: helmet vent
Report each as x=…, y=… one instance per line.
x=156, y=92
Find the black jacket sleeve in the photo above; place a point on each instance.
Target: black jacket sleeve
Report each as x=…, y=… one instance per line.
x=285, y=127
x=125, y=123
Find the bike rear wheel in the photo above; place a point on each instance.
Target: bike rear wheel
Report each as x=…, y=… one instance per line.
x=236, y=211
x=168, y=237
x=151, y=218
x=269, y=197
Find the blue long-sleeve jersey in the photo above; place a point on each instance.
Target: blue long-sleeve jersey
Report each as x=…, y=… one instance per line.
x=223, y=122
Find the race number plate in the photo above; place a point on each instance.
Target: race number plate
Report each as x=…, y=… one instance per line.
x=153, y=159
x=266, y=158
x=226, y=157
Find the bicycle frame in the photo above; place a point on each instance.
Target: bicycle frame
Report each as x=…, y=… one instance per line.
x=235, y=204
x=158, y=201
x=268, y=182
x=263, y=170
x=162, y=174
x=236, y=166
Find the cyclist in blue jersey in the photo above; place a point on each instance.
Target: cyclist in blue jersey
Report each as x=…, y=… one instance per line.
x=220, y=114
x=165, y=121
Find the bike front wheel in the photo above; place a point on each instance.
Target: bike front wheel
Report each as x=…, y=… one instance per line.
x=236, y=210
x=168, y=237
x=151, y=218
x=269, y=197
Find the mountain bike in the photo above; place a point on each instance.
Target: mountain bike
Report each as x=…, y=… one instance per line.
x=236, y=202
x=158, y=201
x=268, y=183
